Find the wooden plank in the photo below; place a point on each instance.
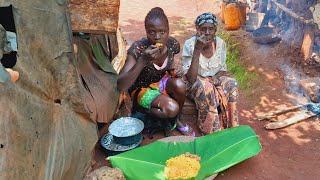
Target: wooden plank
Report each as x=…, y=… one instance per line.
x=119, y=61
x=307, y=43
x=94, y=16
x=295, y=119
x=278, y=112
x=113, y=45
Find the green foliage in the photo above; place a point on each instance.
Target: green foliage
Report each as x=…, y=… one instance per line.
x=218, y=151
x=238, y=70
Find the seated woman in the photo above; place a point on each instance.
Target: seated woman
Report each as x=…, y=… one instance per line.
x=148, y=73
x=208, y=84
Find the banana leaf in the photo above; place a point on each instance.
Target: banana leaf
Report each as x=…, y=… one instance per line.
x=218, y=151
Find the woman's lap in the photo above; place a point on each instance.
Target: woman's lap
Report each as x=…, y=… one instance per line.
x=201, y=91
x=156, y=93
x=146, y=96
x=229, y=86
x=206, y=98
x=206, y=103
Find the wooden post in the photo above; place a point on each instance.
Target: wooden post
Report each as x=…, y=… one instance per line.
x=94, y=16
x=308, y=41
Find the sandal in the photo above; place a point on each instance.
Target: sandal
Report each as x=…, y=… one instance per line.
x=187, y=131
x=172, y=124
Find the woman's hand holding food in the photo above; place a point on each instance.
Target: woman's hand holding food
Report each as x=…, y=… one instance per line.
x=201, y=42
x=151, y=53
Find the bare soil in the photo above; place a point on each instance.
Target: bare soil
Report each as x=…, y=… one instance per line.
x=288, y=153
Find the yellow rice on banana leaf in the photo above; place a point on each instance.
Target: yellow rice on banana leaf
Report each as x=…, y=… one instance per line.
x=184, y=166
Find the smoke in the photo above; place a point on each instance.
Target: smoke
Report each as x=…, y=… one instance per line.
x=292, y=77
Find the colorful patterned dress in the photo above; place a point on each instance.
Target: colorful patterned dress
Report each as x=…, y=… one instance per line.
x=216, y=105
x=150, y=82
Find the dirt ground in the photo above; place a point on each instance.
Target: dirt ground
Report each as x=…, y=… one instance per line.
x=288, y=153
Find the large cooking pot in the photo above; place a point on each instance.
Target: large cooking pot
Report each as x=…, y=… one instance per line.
x=265, y=35
x=126, y=130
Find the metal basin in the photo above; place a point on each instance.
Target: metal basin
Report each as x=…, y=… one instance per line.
x=126, y=130
x=127, y=140
x=265, y=35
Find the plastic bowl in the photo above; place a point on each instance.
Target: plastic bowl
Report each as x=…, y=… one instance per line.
x=126, y=127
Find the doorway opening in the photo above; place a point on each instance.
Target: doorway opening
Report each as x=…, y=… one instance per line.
x=9, y=60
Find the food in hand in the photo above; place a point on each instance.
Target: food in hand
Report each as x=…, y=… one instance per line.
x=184, y=166
x=159, y=44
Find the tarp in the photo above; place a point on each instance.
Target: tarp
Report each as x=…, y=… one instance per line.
x=45, y=129
x=98, y=77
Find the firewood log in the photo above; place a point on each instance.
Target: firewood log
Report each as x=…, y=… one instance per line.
x=305, y=114
x=278, y=112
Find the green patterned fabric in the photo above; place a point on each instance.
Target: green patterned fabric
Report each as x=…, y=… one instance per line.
x=148, y=97
x=100, y=52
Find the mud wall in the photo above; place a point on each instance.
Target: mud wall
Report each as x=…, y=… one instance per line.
x=95, y=16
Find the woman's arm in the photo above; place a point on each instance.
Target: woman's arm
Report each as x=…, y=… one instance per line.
x=130, y=72
x=132, y=67
x=192, y=73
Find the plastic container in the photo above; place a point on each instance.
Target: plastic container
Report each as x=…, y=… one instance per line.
x=243, y=13
x=232, y=17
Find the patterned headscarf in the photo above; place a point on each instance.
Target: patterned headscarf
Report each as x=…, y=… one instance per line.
x=206, y=18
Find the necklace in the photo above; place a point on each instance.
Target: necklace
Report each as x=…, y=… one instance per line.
x=164, y=65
